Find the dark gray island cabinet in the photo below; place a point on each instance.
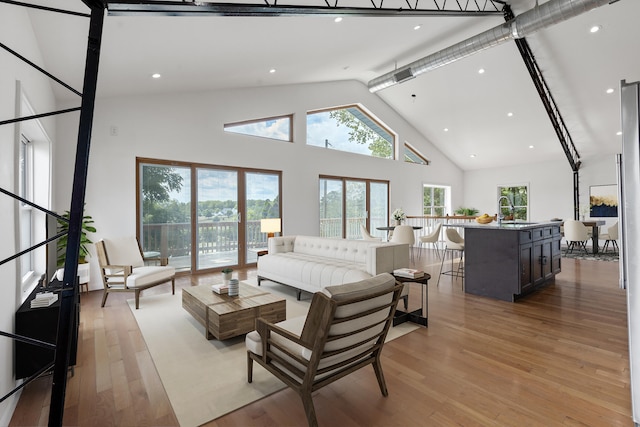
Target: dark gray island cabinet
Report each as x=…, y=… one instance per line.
x=510, y=260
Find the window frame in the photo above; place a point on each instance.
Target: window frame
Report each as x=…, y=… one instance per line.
x=289, y=117
x=446, y=209
x=517, y=207
x=415, y=152
x=370, y=116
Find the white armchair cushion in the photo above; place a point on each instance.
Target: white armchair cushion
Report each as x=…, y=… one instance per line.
x=124, y=251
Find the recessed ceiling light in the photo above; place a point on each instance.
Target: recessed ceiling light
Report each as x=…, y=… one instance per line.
x=481, y=71
x=619, y=133
x=610, y=90
x=446, y=129
x=338, y=19
x=472, y=155
x=531, y=146
x=273, y=70
x=417, y=27
x=509, y=114
x=156, y=75
x=595, y=29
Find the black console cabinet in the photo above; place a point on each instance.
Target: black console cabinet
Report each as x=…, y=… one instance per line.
x=41, y=324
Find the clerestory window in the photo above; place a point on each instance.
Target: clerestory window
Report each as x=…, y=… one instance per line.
x=350, y=129
x=279, y=128
x=411, y=155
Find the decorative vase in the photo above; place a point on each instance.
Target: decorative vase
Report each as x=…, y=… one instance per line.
x=234, y=287
x=398, y=222
x=226, y=277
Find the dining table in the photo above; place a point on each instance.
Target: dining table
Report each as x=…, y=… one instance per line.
x=595, y=228
x=390, y=228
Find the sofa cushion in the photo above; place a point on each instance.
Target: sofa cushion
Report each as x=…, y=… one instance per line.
x=311, y=272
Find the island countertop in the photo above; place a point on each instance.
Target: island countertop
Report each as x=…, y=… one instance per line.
x=509, y=260
x=506, y=225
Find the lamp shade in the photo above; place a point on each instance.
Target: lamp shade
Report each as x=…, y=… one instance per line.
x=270, y=226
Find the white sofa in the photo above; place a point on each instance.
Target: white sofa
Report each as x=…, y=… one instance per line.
x=310, y=263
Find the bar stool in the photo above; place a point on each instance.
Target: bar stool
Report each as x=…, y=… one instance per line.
x=453, y=242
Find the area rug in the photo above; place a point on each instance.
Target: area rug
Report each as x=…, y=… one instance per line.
x=600, y=256
x=207, y=379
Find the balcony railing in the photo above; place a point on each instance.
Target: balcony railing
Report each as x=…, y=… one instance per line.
x=173, y=240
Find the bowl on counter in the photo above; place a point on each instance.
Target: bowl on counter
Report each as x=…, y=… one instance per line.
x=484, y=219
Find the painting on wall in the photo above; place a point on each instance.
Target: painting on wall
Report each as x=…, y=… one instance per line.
x=603, y=200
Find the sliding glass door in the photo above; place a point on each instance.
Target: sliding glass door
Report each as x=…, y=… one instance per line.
x=217, y=217
x=262, y=201
x=347, y=203
x=211, y=224
x=164, y=213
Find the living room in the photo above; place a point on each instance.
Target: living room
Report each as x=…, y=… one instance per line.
x=189, y=126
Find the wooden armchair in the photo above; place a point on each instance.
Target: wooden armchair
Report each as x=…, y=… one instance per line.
x=123, y=268
x=344, y=331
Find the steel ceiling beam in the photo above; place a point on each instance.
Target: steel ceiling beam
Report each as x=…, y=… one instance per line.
x=301, y=8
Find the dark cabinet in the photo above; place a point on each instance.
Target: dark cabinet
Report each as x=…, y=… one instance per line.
x=506, y=263
x=41, y=324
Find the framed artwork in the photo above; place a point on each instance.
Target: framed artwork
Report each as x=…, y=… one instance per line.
x=603, y=201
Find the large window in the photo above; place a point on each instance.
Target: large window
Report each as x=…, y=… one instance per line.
x=347, y=203
x=435, y=200
x=519, y=196
x=350, y=129
x=224, y=228
x=25, y=179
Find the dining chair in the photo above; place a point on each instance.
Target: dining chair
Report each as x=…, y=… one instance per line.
x=611, y=236
x=432, y=238
x=367, y=236
x=404, y=234
x=453, y=243
x=576, y=234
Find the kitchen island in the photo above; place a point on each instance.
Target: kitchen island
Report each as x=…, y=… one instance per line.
x=509, y=260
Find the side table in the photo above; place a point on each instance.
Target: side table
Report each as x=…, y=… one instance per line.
x=420, y=315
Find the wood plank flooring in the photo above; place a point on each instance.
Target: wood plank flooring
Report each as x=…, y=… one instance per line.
x=558, y=357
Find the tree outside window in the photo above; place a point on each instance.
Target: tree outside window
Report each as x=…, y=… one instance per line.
x=519, y=196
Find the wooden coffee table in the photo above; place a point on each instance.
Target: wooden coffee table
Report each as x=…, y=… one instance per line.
x=225, y=317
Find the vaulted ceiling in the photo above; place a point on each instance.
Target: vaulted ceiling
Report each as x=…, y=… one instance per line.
x=198, y=53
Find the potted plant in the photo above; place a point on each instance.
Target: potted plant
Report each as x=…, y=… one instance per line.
x=466, y=211
x=226, y=274
x=62, y=243
x=398, y=215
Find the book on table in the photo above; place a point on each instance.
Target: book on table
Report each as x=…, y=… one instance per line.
x=410, y=273
x=44, y=299
x=220, y=289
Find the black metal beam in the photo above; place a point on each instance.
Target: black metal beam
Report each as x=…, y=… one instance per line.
x=192, y=8
x=69, y=293
x=569, y=148
x=37, y=67
x=48, y=9
x=547, y=98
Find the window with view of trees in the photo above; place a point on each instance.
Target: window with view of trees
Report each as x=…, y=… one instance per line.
x=350, y=129
x=411, y=155
x=347, y=203
x=519, y=196
x=435, y=200
x=279, y=128
x=223, y=231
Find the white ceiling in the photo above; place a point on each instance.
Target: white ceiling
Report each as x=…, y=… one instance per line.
x=199, y=53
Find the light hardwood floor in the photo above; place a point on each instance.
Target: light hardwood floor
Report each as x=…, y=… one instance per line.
x=558, y=357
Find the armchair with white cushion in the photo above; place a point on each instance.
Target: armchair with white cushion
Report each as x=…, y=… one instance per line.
x=344, y=331
x=123, y=268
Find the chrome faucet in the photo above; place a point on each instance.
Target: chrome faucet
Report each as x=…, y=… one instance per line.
x=511, y=207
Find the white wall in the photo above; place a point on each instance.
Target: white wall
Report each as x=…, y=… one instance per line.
x=550, y=186
x=189, y=127
x=16, y=32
